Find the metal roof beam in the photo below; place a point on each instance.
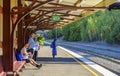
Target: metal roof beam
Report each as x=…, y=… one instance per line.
x=29, y=8
x=62, y=13
x=68, y=14
x=34, y=18
x=72, y=8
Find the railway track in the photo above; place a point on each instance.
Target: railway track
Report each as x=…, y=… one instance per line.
x=104, y=59
x=110, y=58
x=108, y=53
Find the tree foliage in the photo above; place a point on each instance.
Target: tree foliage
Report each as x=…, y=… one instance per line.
x=56, y=32
x=102, y=25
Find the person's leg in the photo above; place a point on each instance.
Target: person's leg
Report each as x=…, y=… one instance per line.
x=34, y=56
x=34, y=63
x=29, y=61
x=54, y=52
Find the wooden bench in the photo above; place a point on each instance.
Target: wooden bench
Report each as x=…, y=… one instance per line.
x=17, y=66
x=2, y=73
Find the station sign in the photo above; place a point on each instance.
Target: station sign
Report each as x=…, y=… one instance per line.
x=56, y=18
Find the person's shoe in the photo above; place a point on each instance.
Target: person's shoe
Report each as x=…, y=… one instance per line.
x=39, y=66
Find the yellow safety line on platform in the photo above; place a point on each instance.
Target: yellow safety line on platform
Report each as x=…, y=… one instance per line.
x=86, y=67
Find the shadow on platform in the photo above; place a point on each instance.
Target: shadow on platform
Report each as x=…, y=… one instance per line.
x=57, y=60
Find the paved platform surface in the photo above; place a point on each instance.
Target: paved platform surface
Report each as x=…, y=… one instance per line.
x=63, y=65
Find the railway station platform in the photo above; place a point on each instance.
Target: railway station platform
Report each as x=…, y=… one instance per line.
x=19, y=18
x=64, y=64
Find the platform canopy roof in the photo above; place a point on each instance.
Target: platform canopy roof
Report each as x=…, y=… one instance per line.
x=40, y=11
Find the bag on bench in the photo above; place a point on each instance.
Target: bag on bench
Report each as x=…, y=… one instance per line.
x=18, y=56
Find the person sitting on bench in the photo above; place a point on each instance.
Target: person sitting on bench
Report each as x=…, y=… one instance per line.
x=27, y=56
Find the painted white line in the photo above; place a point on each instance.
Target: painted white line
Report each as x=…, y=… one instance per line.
x=95, y=66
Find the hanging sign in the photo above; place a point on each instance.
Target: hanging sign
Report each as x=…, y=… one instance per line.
x=56, y=18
